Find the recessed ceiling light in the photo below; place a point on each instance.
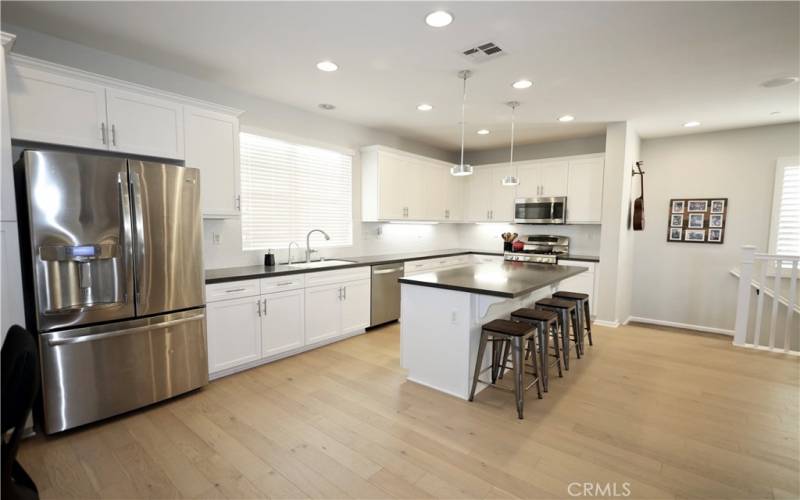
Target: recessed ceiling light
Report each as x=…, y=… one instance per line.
x=483, y=131
x=522, y=84
x=775, y=113
x=438, y=19
x=326, y=106
x=424, y=107
x=327, y=66
x=780, y=82
x=566, y=118
x=691, y=124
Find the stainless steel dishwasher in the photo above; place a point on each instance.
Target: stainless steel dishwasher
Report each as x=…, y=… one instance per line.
x=385, y=293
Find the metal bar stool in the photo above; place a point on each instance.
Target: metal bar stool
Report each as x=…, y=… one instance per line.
x=582, y=302
x=518, y=335
x=566, y=311
x=546, y=323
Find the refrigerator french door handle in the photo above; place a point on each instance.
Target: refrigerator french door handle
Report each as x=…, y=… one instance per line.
x=127, y=236
x=136, y=188
x=127, y=331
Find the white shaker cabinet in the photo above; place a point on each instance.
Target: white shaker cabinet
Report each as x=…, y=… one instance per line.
x=585, y=188
x=212, y=145
x=282, y=322
x=144, y=124
x=323, y=311
x=234, y=332
x=542, y=178
x=56, y=109
x=479, y=195
x=502, y=207
x=355, y=314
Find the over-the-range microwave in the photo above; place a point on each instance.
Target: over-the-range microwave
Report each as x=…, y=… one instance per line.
x=541, y=210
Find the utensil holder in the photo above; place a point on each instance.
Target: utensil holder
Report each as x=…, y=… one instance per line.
x=508, y=246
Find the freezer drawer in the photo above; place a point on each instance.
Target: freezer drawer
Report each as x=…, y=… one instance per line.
x=97, y=372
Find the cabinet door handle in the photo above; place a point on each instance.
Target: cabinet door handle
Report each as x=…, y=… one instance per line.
x=284, y=283
x=344, y=293
x=103, y=132
x=238, y=202
x=340, y=293
x=258, y=303
x=265, y=307
x=232, y=290
x=113, y=134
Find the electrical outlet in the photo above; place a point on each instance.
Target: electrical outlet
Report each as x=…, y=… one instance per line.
x=216, y=238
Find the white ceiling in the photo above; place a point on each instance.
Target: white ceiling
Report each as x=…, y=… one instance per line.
x=657, y=65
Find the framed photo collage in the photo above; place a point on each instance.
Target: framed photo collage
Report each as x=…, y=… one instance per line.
x=697, y=220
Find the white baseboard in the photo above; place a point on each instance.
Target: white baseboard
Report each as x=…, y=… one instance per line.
x=685, y=326
x=768, y=349
x=609, y=324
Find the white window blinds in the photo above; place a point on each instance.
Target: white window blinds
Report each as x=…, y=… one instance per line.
x=288, y=189
x=785, y=233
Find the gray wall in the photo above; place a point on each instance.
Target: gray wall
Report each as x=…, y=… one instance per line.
x=536, y=151
x=690, y=283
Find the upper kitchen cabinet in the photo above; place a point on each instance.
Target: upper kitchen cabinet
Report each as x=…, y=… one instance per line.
x=55, y=104
x=212, y=145
x=502, y=196
x=542, y=178
x=144, y=124
x=397, y=186
x=487, y=199
x=56, y=109
x=585, y=190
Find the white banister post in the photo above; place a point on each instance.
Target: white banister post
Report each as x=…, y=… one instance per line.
x=743, y=300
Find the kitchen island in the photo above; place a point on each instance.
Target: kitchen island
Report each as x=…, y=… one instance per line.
x=442, y=312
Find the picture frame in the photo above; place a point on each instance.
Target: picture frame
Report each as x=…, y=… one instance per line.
x=695, y=235
x=697, y=220
x=697, y=206
x=692, y=220
x=715, y=235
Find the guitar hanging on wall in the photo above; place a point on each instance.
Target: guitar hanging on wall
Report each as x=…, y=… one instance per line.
x=638, y=203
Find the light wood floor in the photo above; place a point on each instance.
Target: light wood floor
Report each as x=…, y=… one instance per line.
x=672, y=414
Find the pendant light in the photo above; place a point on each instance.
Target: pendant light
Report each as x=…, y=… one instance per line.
x=461, y=169
x=512, y=180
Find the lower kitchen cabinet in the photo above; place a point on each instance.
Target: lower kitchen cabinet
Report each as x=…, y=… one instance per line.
x=355, y=306
x=581, y=283
x=323, y=308
x=336, y=309
x=282, y=322
x=233, y=332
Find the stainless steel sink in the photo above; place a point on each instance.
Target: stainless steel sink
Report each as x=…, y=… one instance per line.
x=320, y=263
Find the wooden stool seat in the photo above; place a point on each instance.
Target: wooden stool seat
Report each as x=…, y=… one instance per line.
x=510, y=328
x=556, y=303
x=535, y=314
x=571, y=295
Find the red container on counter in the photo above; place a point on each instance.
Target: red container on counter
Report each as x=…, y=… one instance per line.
x=518, y=246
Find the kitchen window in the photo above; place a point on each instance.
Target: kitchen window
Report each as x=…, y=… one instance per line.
x=785, y=226
x=288, y=189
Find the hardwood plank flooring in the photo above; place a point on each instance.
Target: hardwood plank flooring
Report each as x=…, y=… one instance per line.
x=662, y=414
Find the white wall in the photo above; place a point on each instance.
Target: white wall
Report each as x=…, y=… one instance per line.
x=616, y=240
x=261, y=114
x=690, y=283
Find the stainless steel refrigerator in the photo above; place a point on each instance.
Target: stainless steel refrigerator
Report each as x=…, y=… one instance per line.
x=114, y=281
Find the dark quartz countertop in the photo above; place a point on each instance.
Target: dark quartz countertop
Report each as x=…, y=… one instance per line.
x=509, y=279
x=254, y=272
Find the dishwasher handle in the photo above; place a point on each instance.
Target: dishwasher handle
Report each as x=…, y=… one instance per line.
x=389, y=271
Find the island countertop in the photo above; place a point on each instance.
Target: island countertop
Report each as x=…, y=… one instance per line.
x=509, y=279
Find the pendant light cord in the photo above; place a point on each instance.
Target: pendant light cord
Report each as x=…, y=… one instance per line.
x=511, y=159
x=463, y=107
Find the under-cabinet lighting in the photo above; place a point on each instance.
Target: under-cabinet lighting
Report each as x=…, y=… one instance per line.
x=417, y=222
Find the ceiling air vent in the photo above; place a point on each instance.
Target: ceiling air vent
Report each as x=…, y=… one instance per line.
x=483, y=52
